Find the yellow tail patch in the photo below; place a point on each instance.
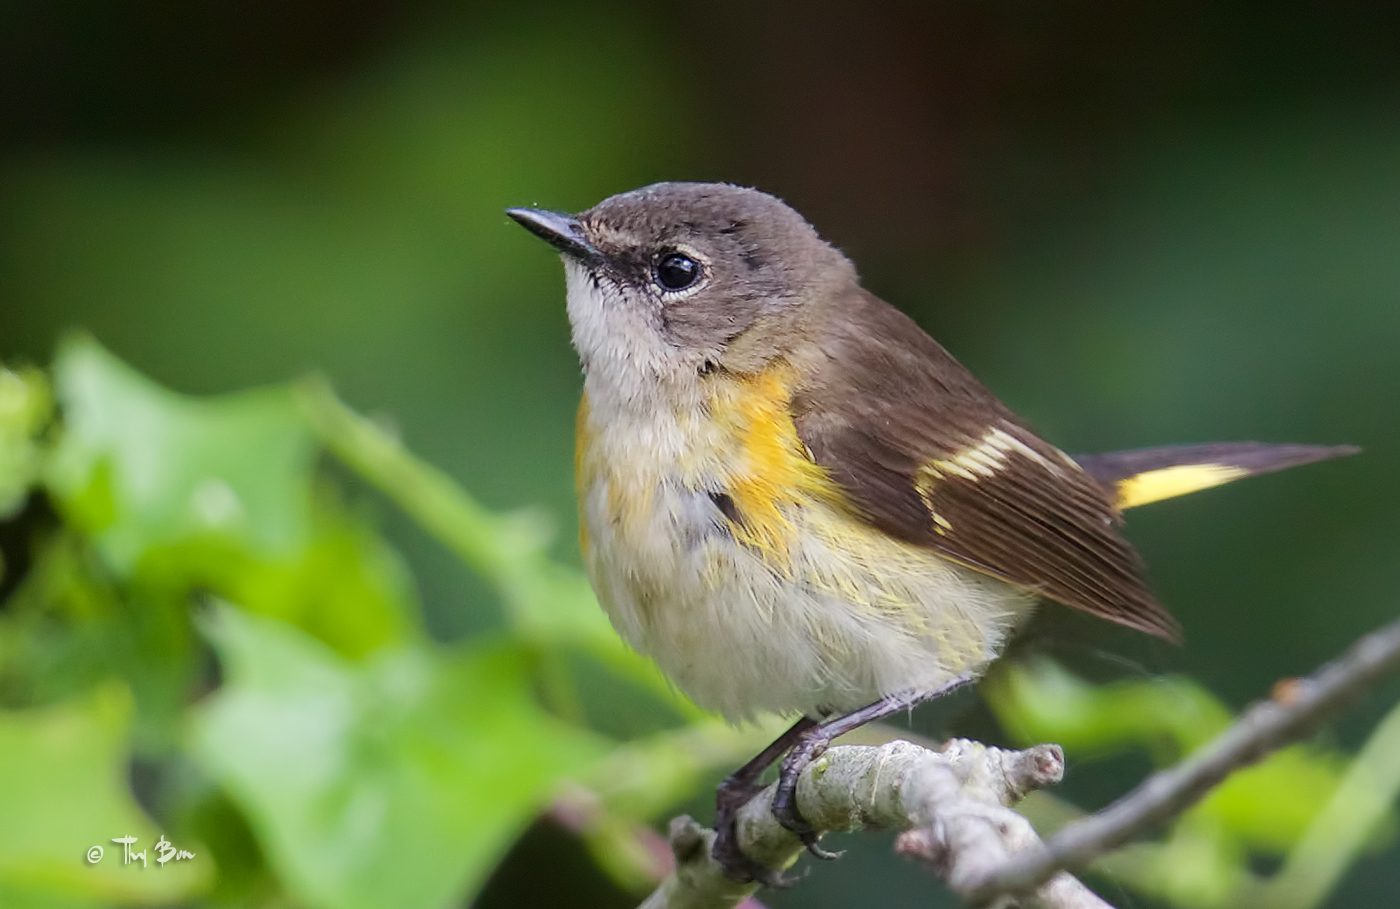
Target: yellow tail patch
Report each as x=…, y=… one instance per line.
x=1169, y=482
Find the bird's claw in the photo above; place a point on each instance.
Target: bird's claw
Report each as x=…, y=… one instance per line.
x=739, y=867
x=793, y=821
x=786, y=811
x=739, y=789
x=813, y=843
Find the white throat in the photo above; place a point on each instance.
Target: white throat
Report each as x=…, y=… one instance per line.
x=628, y=366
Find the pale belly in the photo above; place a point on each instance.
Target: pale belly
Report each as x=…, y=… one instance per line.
x=841, y=616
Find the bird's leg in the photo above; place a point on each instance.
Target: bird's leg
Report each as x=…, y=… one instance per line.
x=733, y=794
x=814, y=740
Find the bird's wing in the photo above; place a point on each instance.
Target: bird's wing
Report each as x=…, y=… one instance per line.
x=925, y=452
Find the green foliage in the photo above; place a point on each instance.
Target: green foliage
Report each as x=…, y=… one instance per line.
x=1170, y=716
x=25, y=408
x=63, y=784
x=139, y=468
x=356, y=777
x=1264, y=809
x=340, y=758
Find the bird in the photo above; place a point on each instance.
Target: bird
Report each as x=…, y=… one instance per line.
x=797, y=502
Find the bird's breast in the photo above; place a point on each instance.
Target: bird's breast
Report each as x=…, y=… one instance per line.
x=720, y=549
x=725, y=461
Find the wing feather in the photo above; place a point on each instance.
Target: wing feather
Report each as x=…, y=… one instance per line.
x=925, y=452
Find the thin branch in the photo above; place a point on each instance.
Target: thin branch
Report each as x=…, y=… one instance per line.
x=952, y=803
x=1297, y=709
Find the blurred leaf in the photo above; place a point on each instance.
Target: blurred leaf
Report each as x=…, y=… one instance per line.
x=1041, y=701
x=395, y=783
x=1270, y=805
x=1337, y=837
x=1199, y=865
x=67, y=627
x=139, y=466
x=346, y=586
x=1267, y=806
x=184, y=494
x=63, y=788
x=25, y=408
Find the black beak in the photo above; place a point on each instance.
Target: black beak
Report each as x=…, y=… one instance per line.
x=561, y=231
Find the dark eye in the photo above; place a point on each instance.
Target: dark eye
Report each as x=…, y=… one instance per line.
x=675, y=271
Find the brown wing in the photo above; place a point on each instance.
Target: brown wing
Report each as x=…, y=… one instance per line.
x=925, y=452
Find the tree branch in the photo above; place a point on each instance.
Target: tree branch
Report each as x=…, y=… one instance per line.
x=1297, y=709
x=952, y=804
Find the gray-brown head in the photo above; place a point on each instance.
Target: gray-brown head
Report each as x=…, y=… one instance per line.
x=677, y=278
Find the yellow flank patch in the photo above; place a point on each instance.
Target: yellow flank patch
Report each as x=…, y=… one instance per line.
x=1169, y=482
x=773, y=470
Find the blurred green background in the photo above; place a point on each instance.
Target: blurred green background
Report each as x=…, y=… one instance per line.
x=258, y=623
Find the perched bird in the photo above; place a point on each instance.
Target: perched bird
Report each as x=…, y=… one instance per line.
x=796, y=502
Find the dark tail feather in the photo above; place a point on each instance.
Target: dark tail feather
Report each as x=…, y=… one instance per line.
x=1152, y=474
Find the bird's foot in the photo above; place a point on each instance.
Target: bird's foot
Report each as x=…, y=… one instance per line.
x=732, y=795
x=735, y=864
x=808, y=749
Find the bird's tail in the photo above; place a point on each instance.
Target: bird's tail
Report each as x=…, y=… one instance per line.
x=1152, y=474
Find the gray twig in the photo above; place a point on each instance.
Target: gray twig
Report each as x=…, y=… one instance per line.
x=951, y=803
x=1296, y=709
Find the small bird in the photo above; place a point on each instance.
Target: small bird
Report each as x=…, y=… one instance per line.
x=796, y=502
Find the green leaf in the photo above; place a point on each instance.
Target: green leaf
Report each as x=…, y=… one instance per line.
x=139, y=466
x=347, y=586
x=1266, y=806
x=397, y=782
x=1272, y=804
x=25, y=408
x=182, y=494
x=67, y=627
x=63, y=788
x=1041, y=701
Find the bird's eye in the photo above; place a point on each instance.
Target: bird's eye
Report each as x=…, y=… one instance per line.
x=676, y=271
